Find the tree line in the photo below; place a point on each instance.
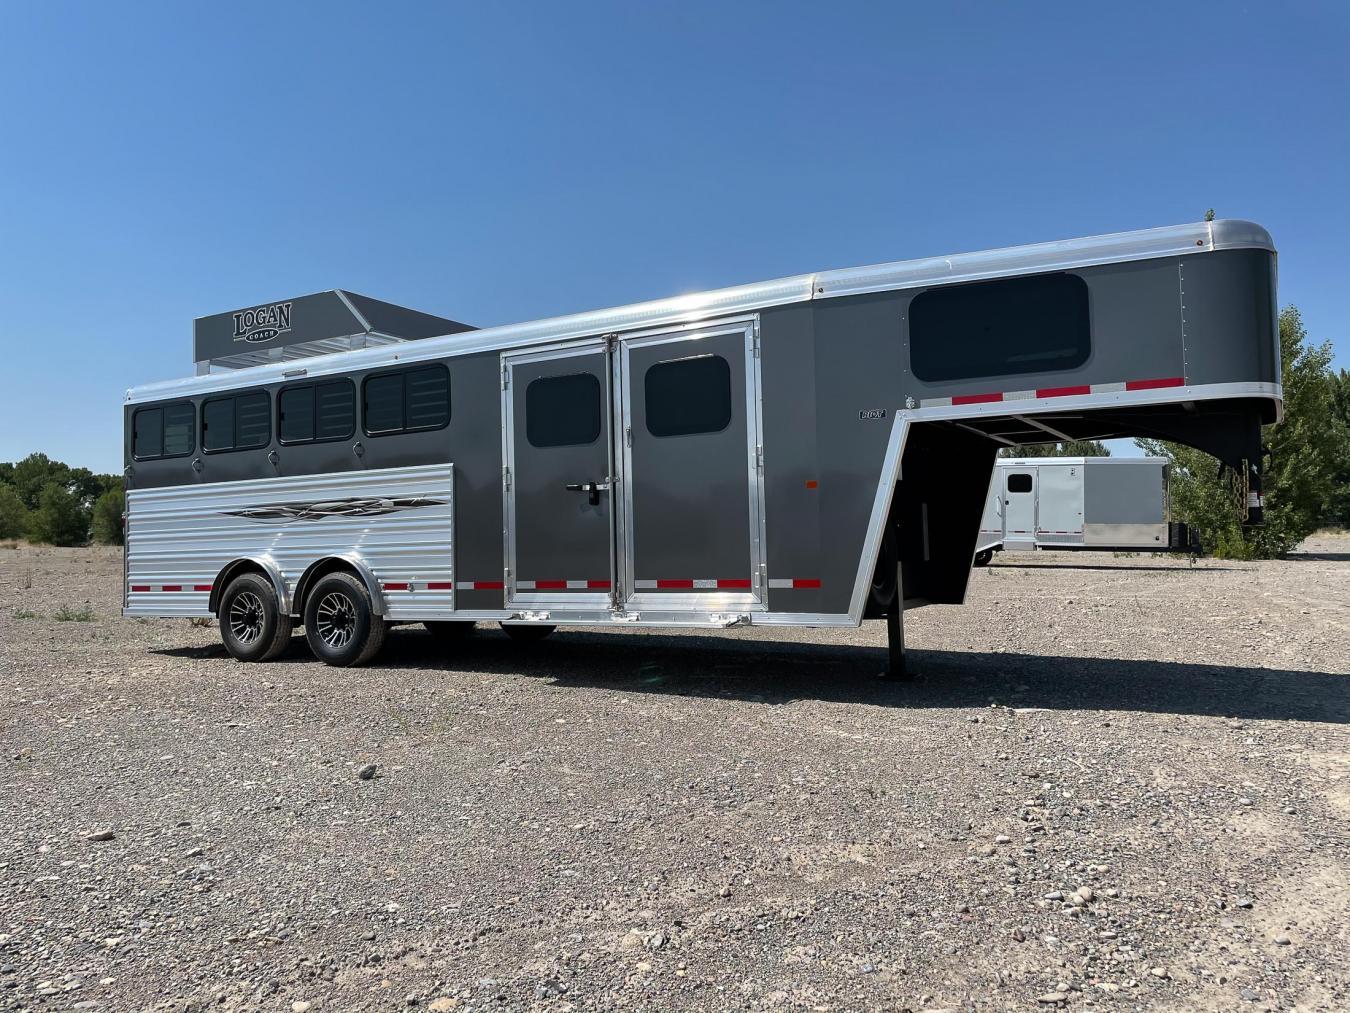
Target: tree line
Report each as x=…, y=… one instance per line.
x=49, y=501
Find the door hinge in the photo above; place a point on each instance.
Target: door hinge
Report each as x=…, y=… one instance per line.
x=754, y=343
x=759, y=456
x=628, y=436
x=506, y=376
x=506, y=478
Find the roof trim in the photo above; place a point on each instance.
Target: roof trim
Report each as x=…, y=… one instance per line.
x=1144, y=244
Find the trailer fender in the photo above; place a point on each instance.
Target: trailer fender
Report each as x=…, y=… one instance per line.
x=265, y=565
x=350, y=562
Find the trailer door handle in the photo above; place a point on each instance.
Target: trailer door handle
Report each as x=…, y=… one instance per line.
x=592, y=489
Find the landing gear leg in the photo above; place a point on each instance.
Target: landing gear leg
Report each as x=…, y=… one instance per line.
x=895, y=631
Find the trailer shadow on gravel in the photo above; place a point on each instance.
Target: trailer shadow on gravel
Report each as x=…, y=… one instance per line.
x=778, y=672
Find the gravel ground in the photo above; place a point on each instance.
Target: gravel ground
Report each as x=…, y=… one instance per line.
x=1118, y=783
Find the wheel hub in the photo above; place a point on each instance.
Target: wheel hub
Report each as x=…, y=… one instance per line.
x=336, y=620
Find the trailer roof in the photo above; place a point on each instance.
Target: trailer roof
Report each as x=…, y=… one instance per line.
x=1169, y=241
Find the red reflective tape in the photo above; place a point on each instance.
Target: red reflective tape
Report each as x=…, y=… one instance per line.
x=1063, y=391
x=488, y=585
x=598, y=585
x=807, y=582
x=1171, y=381
x=976, y=398
x=171, y=587
x=140, y=587
x=201, y=587
x=675, y=584
x=397, y=585
x=734, y=582
x=550, y=585
x=441, y=585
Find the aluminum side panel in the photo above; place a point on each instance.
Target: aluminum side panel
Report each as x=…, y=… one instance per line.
x=397, y=522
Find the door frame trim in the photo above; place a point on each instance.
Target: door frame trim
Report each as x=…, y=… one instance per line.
x=633, y=599
x=544, y=353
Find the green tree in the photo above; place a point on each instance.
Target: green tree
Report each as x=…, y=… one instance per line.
x=1338, y=510
x=60, y=518
x=1074, y=448
x=13, y=514
x=108, y=517
x=1308, y=450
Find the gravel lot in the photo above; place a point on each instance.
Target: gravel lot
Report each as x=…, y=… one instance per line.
x=1118, y=783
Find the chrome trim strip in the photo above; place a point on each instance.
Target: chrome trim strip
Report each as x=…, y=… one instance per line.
x=1077, y=402
x=881, y=508
x=1174, y=240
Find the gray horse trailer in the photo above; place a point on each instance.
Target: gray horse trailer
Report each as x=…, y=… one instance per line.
x=1092, y=503
x=811, y=451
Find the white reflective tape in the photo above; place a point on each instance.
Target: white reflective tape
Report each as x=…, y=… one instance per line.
x=1108, y=388
x=525, y=585
x=645, y=585
x=780, y=582
x=1019, y=395
x=936, y=402
x=574, y=585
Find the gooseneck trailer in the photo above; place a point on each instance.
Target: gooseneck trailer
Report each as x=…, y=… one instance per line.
x=1081, y=503
x=812, y=451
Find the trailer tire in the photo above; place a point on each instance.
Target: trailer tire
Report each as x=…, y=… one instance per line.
x=251, y=621
x=340, y=624
x=984, y=557
x=527, y=634
x=450, y=631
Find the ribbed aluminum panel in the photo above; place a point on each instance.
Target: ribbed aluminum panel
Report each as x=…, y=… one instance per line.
x=396, y=522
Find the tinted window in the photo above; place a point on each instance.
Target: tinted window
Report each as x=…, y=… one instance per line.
x=335, y=411
x=317, y=411
x=178, y=423
x=687, y=396
x=562, y=411
x=147, y=438
x=996, y=328
x=427, y=395
x=384, y=403
x=252, y=421
x=218, y=424
x=410, y=400
x=1019, y=483
x=295, y=414
x=240, y=422
x=163, y=431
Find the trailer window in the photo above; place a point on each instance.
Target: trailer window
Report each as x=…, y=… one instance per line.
x=238, y=422
x=562, y=411
x=411, y=400
x=688, y=396
x=162, y=431
x=1019, y=483
x=996, y=328
x=315, y=412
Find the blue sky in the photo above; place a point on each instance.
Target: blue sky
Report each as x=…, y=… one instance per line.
x=498, y=162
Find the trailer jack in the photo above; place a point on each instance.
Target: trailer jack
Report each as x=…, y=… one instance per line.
x=895, y=631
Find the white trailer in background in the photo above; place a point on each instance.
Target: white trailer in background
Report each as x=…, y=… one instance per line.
x=1103, y=503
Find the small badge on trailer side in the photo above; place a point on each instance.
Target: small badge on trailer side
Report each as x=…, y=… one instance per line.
x=870, y=414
